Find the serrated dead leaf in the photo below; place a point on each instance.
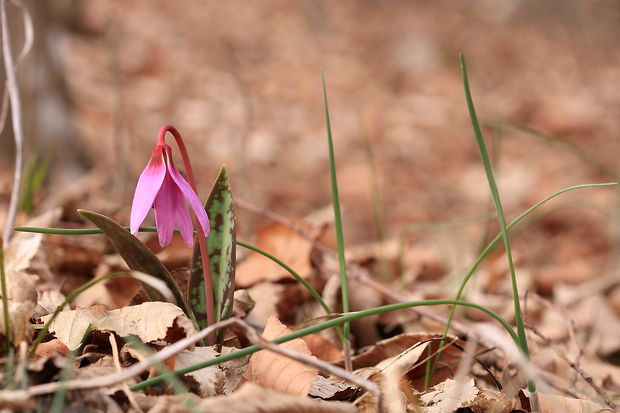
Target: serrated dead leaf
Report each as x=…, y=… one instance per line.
x=277, y=372
x=169, y=324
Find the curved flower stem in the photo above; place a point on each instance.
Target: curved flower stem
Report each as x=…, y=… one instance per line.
x=202, y=240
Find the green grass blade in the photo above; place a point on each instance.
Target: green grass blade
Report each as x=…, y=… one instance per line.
x=325, y=325
x=177, y=386
x=498, y=205
x=58, y=402
x=222, y=255
x=344, y=285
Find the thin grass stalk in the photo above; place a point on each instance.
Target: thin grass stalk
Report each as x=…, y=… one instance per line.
x=325, y=325
x=500, y=213
x=5, y=300
x=498, y=206
x=344, y=283
x=58, y=402
x=173, y=381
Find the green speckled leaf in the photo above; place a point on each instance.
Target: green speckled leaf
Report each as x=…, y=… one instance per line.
x=138, y=257
x=221, y=243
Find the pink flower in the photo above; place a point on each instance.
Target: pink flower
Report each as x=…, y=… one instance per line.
x=162, y=187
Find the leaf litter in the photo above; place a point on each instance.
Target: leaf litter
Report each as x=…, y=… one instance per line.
x=564, y=256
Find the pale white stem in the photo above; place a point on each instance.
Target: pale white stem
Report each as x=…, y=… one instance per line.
x=10, y=67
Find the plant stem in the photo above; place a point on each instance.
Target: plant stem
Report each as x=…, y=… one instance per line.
x=344, y=284
x=500, y=213
x=202, y=240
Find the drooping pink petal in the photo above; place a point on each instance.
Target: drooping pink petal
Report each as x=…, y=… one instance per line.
x=190, y=195
x=148, y=186
x=165, y=209
x=183, y=220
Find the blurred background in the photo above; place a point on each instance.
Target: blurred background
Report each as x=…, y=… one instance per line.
x=242, y=82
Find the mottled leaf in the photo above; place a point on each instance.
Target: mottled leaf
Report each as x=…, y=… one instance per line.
x=138, y=257
x=221, y=246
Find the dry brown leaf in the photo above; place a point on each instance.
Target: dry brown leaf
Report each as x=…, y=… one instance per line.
x=255, y=399
x=392, y=380
x=243, y=304
x=249, y=399
x=277, y=372
x=321, y=348
x=113, y=293
x=387, y=348
x=208, y=381
x=266, y=296
x=551, y=403
x=19, y=316
x=360, y=297
x=169, y=324
x=49, y=348
x=328, y=389
x=282, y=242
x=451, y=395
x=21, y=280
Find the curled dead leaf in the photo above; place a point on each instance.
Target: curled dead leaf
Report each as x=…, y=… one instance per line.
x=169, y=325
